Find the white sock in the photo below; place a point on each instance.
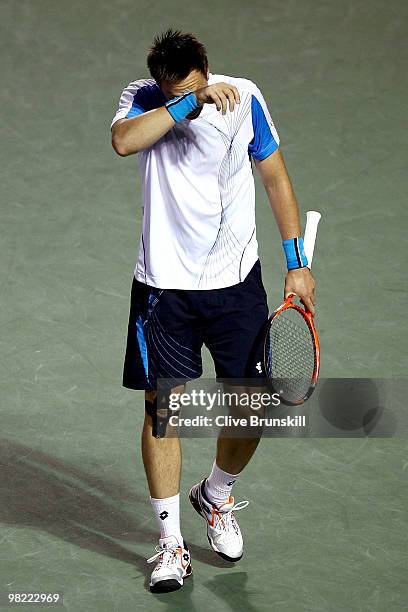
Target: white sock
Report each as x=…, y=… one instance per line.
x=167, y=512
x=218, y=485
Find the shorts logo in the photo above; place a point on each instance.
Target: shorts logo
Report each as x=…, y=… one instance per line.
x=163, y=515
x=259, y=367
x=230, y=483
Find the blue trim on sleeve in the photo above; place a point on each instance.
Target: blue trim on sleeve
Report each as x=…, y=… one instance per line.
x=263, y=142
x=146, y=98
x=135, y=110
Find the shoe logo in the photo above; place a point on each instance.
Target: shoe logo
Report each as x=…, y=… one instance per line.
x=230, y=483
x=259, y=367
x=185, y=561
x=163, y=515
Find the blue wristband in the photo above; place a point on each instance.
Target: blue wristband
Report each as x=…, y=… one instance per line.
x=295, y=253
x=181, y=106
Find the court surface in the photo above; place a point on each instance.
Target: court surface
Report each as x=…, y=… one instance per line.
x=327, y=524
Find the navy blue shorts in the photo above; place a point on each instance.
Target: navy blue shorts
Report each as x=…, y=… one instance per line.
x=168, y=327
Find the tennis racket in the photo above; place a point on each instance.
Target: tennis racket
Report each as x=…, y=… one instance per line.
x=291, y=349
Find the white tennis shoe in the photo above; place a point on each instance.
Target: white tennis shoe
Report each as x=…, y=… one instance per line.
x=223, y=532
x=173, y=566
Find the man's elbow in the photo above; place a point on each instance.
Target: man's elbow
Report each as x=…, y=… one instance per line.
x=119, y=145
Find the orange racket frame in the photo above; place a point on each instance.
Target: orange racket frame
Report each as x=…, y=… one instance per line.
x=308, y=317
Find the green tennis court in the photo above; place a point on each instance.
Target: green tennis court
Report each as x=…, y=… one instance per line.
x=326, y=529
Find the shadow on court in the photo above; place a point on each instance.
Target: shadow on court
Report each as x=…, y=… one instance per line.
x=235, y=582
x=354, y=406
x=45, y=493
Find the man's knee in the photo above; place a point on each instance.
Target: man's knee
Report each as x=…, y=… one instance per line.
x=158, y=417
x=150, y=403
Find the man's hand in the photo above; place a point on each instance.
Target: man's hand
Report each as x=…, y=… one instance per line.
x=219, y=94
x=301, y=282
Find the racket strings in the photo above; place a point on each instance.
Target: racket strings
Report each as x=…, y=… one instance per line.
x=291, y=355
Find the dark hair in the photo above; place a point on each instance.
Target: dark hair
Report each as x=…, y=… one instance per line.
x=174, y=55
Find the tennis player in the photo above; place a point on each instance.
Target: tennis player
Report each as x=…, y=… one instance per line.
x=197, y=278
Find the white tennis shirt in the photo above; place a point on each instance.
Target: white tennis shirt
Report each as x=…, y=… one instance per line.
x=198, y=190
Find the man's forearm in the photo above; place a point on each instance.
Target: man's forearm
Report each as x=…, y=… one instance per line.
x=137, y=133
x=285, y=209
x=280, y=194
